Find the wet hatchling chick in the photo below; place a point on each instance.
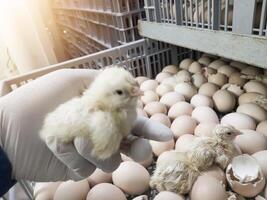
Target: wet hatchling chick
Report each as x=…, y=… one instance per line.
x=105, y=113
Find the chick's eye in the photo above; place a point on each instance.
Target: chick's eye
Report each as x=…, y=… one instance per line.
x=229, y=133
x=119, y=92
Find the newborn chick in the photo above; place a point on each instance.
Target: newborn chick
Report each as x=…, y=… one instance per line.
x=105, y=113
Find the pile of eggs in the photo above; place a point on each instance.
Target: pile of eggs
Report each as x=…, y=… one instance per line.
x=190, y=99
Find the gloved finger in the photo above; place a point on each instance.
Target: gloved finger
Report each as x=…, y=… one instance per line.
x=84, y=147
x=151, y=129
x=66, y=152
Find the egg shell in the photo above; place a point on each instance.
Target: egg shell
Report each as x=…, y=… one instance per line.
x=201, y=100
x=70, y=190
x=204, y=114
x=239, y=121
x=238, y=65
x=227, y=70
x=262, y=128
x=140, y=150
x=141, y=112
x=217, y=173
x=165, y=195
x=251, y=141
x=216, y=64
x=99, y=176
x=105, y=191
x=235, y=78
x=142, y=197
x=165, y=157
x=141, y=79
x=209, y=71
x=149, y=96
x=159, y=147
x=180, y=108
x=183, y=124
x=224, y=101
x=198, y=80
x=261, y=157
x=184, y=142
x=195, y=67
x=253, y=110
x=163, y=89
x=149, y=85
x=171, y=98
x=186, y=89
x=155, y=107
x=162, y=75
x=247, y=97
x=172, y=69
x=256, y=86
x=209, y=55
x=208, y=89
x=208, y=188
x=235, y=89
x=218, y=79
x=204, y=60
x=204, y=129
x=252, y=71
x=185, y=63
x=134, y=183
x=44, y=191
x=162, y=118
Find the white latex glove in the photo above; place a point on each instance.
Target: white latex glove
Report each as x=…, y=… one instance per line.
x=22, y=113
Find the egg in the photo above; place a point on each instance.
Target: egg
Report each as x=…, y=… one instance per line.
x=224, y=101
x=195, y=67
x=251, y=141
x=180, y=108
x=204, y=60
x=235, y=89
x=218, y=79
x=184, y=142
x=72, y=190
x=44, y=191
x=105, y=191
x=204, y=114
x=216, y=64
x=165, y=195
x=261, y=157
x=239, y=121
x=227, y=70
x=183, y=124
x=163, y=89
x=209, y=71
x=186, y=89
x=238, y=65
x=149, y=96
x=204, y=129
x=141, y=112
x=171, y=98
x=185, y=63
x=162, y=118
x=159, y=147
x=149, y=85
x=172, y=69
x=217, y=173
x=201, y=100
x=142, y=197
x=99, y=176
x=251, y=71
x=248, y=97
x=262, y=127
x=140, y=150
x=235, y=78
x=134, y=183
x=253, y=110
x=208, y=89
x=141, y=79
x=208, y=188
x=165, y=156
x=198, y=79
x=162, y=75
x=155, y=107
x=256, y=86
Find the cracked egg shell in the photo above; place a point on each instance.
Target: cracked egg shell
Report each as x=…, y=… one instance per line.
x=218, y=79
x=236, y=79
x=235, y=89
x=245, y=176
x=226, y=70
x=261, y=157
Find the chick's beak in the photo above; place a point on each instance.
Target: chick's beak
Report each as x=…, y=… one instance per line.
x=135, y=92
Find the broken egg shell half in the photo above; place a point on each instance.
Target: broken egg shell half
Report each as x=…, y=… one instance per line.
x=245, y=176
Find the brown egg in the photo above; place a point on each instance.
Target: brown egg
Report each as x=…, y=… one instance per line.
x=236, y=79
x=140, y=150
x=163, y=89
x=180, y=108
x=165, y=195
x=186, y=89
x=253, y=110
x=198, y=80
x=162, y=75
x=238, y=65
x=262, y=128
x=208, y=188
x=160, y=147
x=172, y=69
x=99, y=176
x=105, y=191
x=247, y=97
x=251, y=71
x=201, y=100
x=224, y=101
x=141, y=79
x=149, y=85
x=171, y=98
x=218, y=79
x=208, y=89
x=44, y=191
x=184, y=142
x=261, y=157
x=185, y=63
x=134, y=183
x=72, y=190
x=205, y=129
x=251, y=141
x=155, y=107
x=255, y=86
x=217, y=173
x=141, y=112
x=183, y=124
x=162, y=118
x=149, y=96
x=239, y=121
x=195, y=67
x=216, y=64
x=204, y=60
x=204, y=114
x=227, y=70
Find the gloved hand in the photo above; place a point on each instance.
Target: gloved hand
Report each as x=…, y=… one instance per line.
x=22, y=113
